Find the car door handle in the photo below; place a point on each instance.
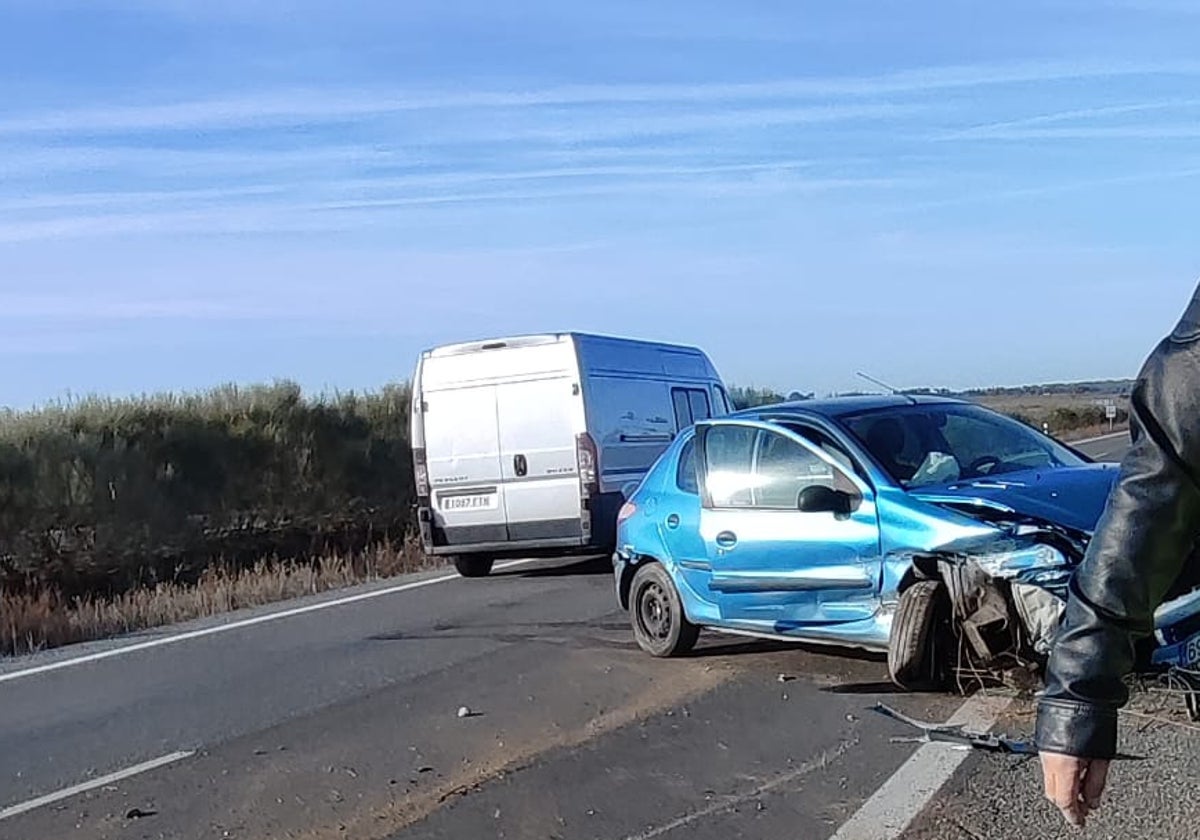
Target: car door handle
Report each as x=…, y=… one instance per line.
x=673, y=521
x=727, y=539
x=520, y=465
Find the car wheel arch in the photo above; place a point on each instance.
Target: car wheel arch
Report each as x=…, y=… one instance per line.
x=625, y=589
x=922, y=567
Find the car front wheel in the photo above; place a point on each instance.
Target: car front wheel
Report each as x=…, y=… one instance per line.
x=659, y=625
x=917, y=659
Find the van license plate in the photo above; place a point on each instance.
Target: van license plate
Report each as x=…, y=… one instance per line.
x=478, y=501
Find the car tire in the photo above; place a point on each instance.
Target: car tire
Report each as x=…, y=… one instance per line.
x=473, y=566
x=917, y=658
x=659, y=623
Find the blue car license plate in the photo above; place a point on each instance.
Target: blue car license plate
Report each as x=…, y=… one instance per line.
x=1189, y=653
x=1185, y=654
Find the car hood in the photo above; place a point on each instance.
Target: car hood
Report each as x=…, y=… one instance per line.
x=1073, y=497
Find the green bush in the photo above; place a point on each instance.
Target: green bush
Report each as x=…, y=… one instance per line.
x=104, y=495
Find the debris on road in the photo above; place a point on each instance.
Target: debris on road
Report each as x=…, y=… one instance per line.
x=468, y=712
x=944, y=733
x=138, y=813
x=784, y=678
x=956, y=735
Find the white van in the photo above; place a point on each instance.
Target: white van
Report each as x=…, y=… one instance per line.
x=525, y=446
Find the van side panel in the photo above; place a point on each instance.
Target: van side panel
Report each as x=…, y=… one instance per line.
x=538, y=423
x=631, y=422
x=630, y=406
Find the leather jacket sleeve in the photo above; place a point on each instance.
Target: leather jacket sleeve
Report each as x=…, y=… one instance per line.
x=1148, y=529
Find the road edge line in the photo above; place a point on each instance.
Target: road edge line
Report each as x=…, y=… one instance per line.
x=237, y=625
x=84, y=787
x=900, y=799
x=1109, y=436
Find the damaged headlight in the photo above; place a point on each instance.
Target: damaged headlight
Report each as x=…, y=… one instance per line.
x=1009, y=564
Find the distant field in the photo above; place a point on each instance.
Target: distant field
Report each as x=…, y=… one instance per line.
x=1069, y=416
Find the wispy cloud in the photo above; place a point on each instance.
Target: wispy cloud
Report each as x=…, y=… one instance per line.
x=1082, y=114
x=975, y=196
x=229, y=160
x=1121, y=132
x=305, y=213
x=325, y=106
x=93, y=307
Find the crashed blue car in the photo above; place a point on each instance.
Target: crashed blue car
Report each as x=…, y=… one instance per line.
x=936, y=530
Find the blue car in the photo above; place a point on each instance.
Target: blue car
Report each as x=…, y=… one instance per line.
x=935, y=530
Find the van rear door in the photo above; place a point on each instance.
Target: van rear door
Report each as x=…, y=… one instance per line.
x=538, y=460
x=462, y=448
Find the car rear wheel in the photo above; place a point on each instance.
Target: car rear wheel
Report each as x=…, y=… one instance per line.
x=659, y=625
x=473, y=566
x=917, y=656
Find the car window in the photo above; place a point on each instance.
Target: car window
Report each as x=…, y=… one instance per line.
x=685, y=473
x=691, y=406
x=921, y=445
x=829, y=446
x=973, y=441
x=729, y=453
x=783, y=468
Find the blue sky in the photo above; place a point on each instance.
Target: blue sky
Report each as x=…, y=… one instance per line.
x=942, y=193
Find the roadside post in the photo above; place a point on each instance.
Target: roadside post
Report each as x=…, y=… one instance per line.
x=1110, y=411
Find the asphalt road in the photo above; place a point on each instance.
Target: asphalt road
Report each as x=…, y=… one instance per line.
x=324, y=719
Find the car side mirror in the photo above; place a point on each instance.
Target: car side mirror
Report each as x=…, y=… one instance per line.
x=822, y=499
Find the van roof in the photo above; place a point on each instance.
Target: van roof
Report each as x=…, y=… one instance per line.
x=539, y=339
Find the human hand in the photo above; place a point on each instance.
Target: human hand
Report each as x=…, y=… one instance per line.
x=1074, y=784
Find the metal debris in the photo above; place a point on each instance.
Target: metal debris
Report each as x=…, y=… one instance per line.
x=944, y=733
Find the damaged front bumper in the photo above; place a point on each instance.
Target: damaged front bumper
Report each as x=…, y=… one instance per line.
x=1008, y=600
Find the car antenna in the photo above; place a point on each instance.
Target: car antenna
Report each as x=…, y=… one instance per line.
x=895, y=391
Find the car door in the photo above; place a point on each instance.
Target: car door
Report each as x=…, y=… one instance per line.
x=773, y=564
x=679, y=512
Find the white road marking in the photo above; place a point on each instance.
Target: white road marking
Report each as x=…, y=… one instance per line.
x=93, y=784
x=1111, y=436
x=901, y=798
x=237, y=625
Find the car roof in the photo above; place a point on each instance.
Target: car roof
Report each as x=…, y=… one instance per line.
x=835, y=407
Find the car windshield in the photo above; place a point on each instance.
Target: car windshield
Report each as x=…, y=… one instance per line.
x=922, y=445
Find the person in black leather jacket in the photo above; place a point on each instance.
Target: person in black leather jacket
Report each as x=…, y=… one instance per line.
x=1137, y=553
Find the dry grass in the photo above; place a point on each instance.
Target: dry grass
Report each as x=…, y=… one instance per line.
x=1069, y=416
x=32, y=622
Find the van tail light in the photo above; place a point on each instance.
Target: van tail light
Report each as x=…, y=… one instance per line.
x=626, y=512
x=422, y=474
x=589, y=468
